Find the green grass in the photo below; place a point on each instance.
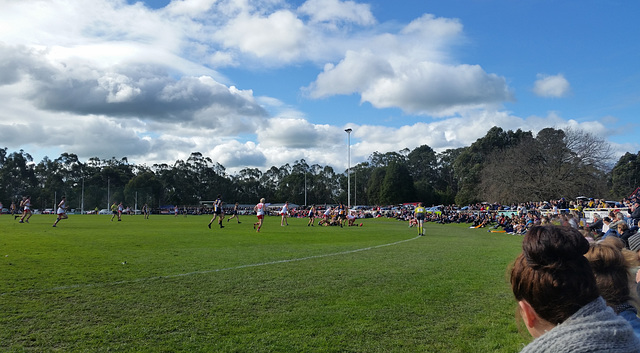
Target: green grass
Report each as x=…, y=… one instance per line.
x=171, y=284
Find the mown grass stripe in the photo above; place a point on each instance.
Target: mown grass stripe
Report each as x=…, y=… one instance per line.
x=138, y=280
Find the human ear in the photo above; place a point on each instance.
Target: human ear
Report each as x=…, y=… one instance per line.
x=529, y=316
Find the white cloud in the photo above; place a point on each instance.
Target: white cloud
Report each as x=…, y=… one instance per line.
x=551, y=86
x=400, y=70
x=438, y=90
x=355, y=73
x=190, y=8
x=235, y=155
x=297, y=133
x=278, y=36
x=76, y=76
x=119, y=88
x=334, y=11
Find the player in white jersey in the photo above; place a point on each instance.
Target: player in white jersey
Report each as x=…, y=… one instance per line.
x=284, y=213
x=26, y=209
x=260, y=211
x=62, y=210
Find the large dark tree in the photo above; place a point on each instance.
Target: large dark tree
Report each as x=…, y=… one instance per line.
x=397, y=186
x=541, y=168
x=471, y=161
x=17, y=176
x=374, y=188
x=625, y=176
x=250, y=189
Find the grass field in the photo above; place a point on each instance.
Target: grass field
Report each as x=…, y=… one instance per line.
x=171, y=284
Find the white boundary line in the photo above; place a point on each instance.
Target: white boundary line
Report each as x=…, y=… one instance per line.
x=90, y=285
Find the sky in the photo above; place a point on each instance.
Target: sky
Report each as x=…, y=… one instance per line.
x=268, y=82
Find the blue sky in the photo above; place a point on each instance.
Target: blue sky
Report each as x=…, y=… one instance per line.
x=262, y=83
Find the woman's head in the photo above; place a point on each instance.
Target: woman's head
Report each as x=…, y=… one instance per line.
x=552, y=274
x=612, y=274
x=615, y=242
x=622, y=227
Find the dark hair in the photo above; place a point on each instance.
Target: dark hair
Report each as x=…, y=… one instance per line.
x=552, y=273
x=612, y=273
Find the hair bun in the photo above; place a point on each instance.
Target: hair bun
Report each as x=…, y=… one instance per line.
x=554, y=247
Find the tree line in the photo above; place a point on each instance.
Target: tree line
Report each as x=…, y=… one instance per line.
x=503, y=166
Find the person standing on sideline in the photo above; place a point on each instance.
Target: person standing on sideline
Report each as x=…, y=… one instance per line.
x=311, y=215
x=419, y=213
x=284, y=212
x=217, y=211
x=62, y=210
x=259, y=210
x=235, y=214
x=26, y=209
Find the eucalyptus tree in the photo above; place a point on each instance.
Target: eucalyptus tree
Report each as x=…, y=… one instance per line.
x=17, y=176
x=471, y=161
x=145, y=187
x=625, y=176
x=545, y=167
x=249, y=187
x=270, y=180
x=374, y=187
x=360, y=175
x=116, y=173
x=294, y=184
x=397, y=186
x=378, y=159
x=447, y=183
x=51, y=183
x=71, y=171
x=165, y=174
x=422, y=163
x=326, y=185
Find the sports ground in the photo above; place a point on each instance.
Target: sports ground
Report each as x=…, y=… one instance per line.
x=170, y=284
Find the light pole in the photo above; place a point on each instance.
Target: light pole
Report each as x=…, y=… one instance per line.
x=82, y=203
x=348, y=131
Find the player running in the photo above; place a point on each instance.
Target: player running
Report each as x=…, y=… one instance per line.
x=217, y=211
x=235, y=214
x=62, y=210
x=259, y=210
x=26, y=209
